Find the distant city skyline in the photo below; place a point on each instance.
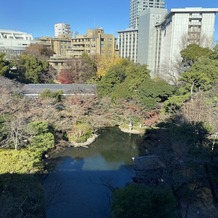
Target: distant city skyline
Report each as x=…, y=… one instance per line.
x=39, y=17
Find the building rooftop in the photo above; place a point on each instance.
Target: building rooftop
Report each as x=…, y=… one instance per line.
x=130, y=29
x=12, y=31
x=68, y=89
x=189, y=10
x=194, y=9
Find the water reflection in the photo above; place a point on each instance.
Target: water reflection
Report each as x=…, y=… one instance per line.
x=81, y=180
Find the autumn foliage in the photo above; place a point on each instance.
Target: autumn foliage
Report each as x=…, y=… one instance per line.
x=65, y=77
x=152, y=118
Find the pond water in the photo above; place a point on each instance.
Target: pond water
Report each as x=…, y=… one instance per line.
x=80, y=180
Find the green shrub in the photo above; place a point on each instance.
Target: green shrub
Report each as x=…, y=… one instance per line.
x=80, y=133
x=49, y=94
x=41, y=138
x=174, y=103
x=43, y=141
x=38, y=127
x=20, y=161
x=139, y=201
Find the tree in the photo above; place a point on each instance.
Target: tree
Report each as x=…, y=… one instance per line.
x=91, y=64
x=153, y=91
x=192, y=52
x=115, y=76
x=200, y=77
x=139, y=201
x=122, y=80
x=39, y=51
x=173, y=104
x=41, y=136
x=106, y=60
x=4, y=65
x=171, y=70
x=77, y=71
x=30, y=69
x=80, y=132
x=16, y=128
x=65, y=77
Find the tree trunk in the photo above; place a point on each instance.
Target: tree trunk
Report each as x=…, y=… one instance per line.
x=191, y=91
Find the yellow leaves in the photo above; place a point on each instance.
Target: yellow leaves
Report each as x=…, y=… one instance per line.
x=105, y=61
x=20, y=161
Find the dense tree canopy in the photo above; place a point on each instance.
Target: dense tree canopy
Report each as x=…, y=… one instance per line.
x=4, y=65
x=32, y=68
x=78, y=70
x=131, y=81
x=139, y=201
x=192, y=52
x=201, y=75
x=106, y=60
x=39, y=51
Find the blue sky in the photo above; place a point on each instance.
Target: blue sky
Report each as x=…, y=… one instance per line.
x=39, y=16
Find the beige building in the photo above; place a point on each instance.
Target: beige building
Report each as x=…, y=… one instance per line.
x=93, y=42
x=58, y=45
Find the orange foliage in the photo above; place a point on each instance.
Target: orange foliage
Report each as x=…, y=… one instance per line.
x=152, y=118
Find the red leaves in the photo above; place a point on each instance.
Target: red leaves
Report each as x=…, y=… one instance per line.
x=65, y=77
x=152, y=118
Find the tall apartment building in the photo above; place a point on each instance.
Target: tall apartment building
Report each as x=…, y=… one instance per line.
x=137, y=6
x=128, y=39
x=181, y=27
x=62, y=30
x=13, y=43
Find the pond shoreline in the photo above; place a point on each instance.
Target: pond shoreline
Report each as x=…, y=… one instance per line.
x=90, y=140
x=86, y=143
x=132, y=131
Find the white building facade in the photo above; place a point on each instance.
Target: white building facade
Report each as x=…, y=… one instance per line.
x=148, y=36
x=182, y=27
x=13, y=43
x=62, y=30
x=128, y=44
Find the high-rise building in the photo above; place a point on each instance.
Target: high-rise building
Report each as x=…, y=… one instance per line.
x=62, y=30
x=128, y=38
x=137, y=6
x=148, y=36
